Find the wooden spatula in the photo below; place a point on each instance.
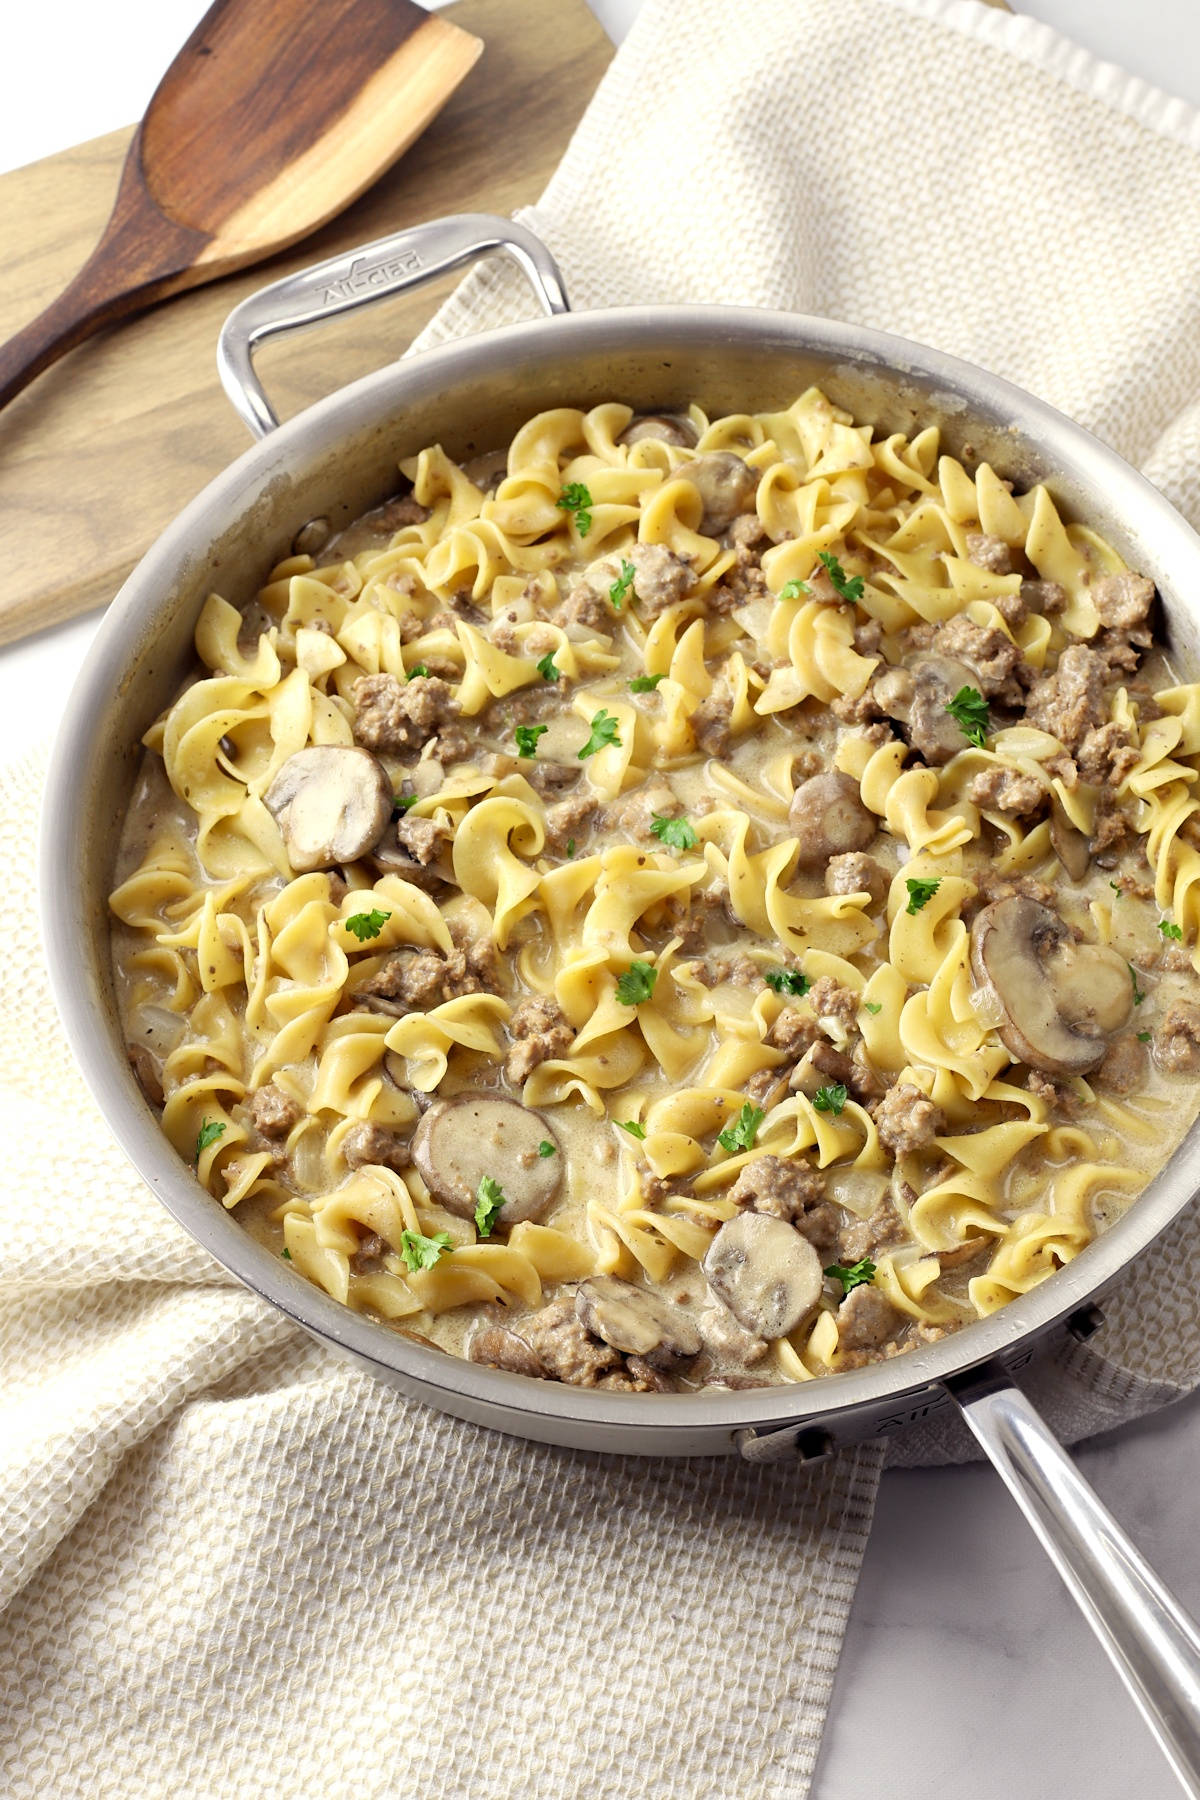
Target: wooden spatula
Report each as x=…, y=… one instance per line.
x=272, y=118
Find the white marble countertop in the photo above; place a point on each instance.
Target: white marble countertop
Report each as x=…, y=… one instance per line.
x=965, y=1666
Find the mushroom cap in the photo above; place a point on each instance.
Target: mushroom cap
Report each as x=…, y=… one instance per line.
x=636, y=1321
x=467, y=1136
x=727, y=488
x=1059, y=1001
x=668, y=428
x=332, y=803
x=765, y=1272
x=933, y=732
x=828, y=817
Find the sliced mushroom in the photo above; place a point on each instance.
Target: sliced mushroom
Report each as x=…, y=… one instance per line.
x=918, y=697
x=636, y=1321
x=502, y=1349
x=727, y=488
x=1071, y=846
x=332, y=802
x=766, y=1273
x=464, y=1138
x=966, y=1252
x=829, y=818
x=1058, y=1002
x=668, y=428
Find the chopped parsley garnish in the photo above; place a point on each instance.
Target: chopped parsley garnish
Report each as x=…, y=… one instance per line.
x=570, y=846
x=632, y=1127
x=418, y=669
x=604, y=732
x=831, y=1099
x=546, y=1148
x=527, y=738
x=637, y=983
x=1170, y=931
x=787, y=981
x=742, y=1133
x=677, y=834
x=970, y=709
x=920, y=892
x=618, y=593
x=1138, y=995
x=423, y=1252
x=547, y=668
x=366, y=925
x=401, y=804
x=645, y=684
x=792, y=590
x=852, y=1275
x=210, y=1131
x=873, y=1006
x=850, y=587
x=1117, y=889
x=576, y=500
x=489, y=1198
x=286, y=1254
x=1143, y=1037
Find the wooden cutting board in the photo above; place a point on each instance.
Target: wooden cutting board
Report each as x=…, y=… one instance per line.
x=106, y=447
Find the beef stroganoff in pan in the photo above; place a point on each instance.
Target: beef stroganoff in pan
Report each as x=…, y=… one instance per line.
x=687, y=900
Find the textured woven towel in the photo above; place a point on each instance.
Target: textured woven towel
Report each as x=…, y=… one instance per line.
x=231, y=1565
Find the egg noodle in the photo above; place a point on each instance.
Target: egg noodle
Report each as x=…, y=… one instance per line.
x=719, y=694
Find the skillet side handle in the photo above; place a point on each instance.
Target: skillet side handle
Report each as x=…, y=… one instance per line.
x=372, y=272
x=1151, y=1641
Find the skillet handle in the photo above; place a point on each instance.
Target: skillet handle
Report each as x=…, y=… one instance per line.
x=1151, y=1641
x=390, y=265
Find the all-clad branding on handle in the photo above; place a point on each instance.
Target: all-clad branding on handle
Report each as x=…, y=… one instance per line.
x=386, y=267
x=342, y=453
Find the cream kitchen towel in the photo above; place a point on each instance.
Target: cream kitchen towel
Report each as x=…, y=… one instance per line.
x=233, y=1566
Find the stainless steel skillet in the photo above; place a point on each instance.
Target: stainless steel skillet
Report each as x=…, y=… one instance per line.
x=337, y=459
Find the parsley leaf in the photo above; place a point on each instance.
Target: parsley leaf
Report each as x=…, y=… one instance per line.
x=210, y=1131
x=1117, y=889
x=850, y=587
x=637, y=983
x=546, y=1148
x=570, y=846
x=742, y=1133
x=970, y=709
x=604, y=732
x=547, y=668
x=859, y=1274
x=489, y=1198
x=920, y=892
x=401, y=804
x=286, y=1254
x=527, y=738
x=1170, y=931
x=787, y=981
x=645, y=684
x=366, y=925
x=831, y=1099
x=418, y=669
x=423, y=1252
x=1143, y=1037
x=576, y=500
x=618, y=593
x=873, y=1006
x=632, y=1127
x=1138, y=994
x=792, y=590
x=677, y=834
